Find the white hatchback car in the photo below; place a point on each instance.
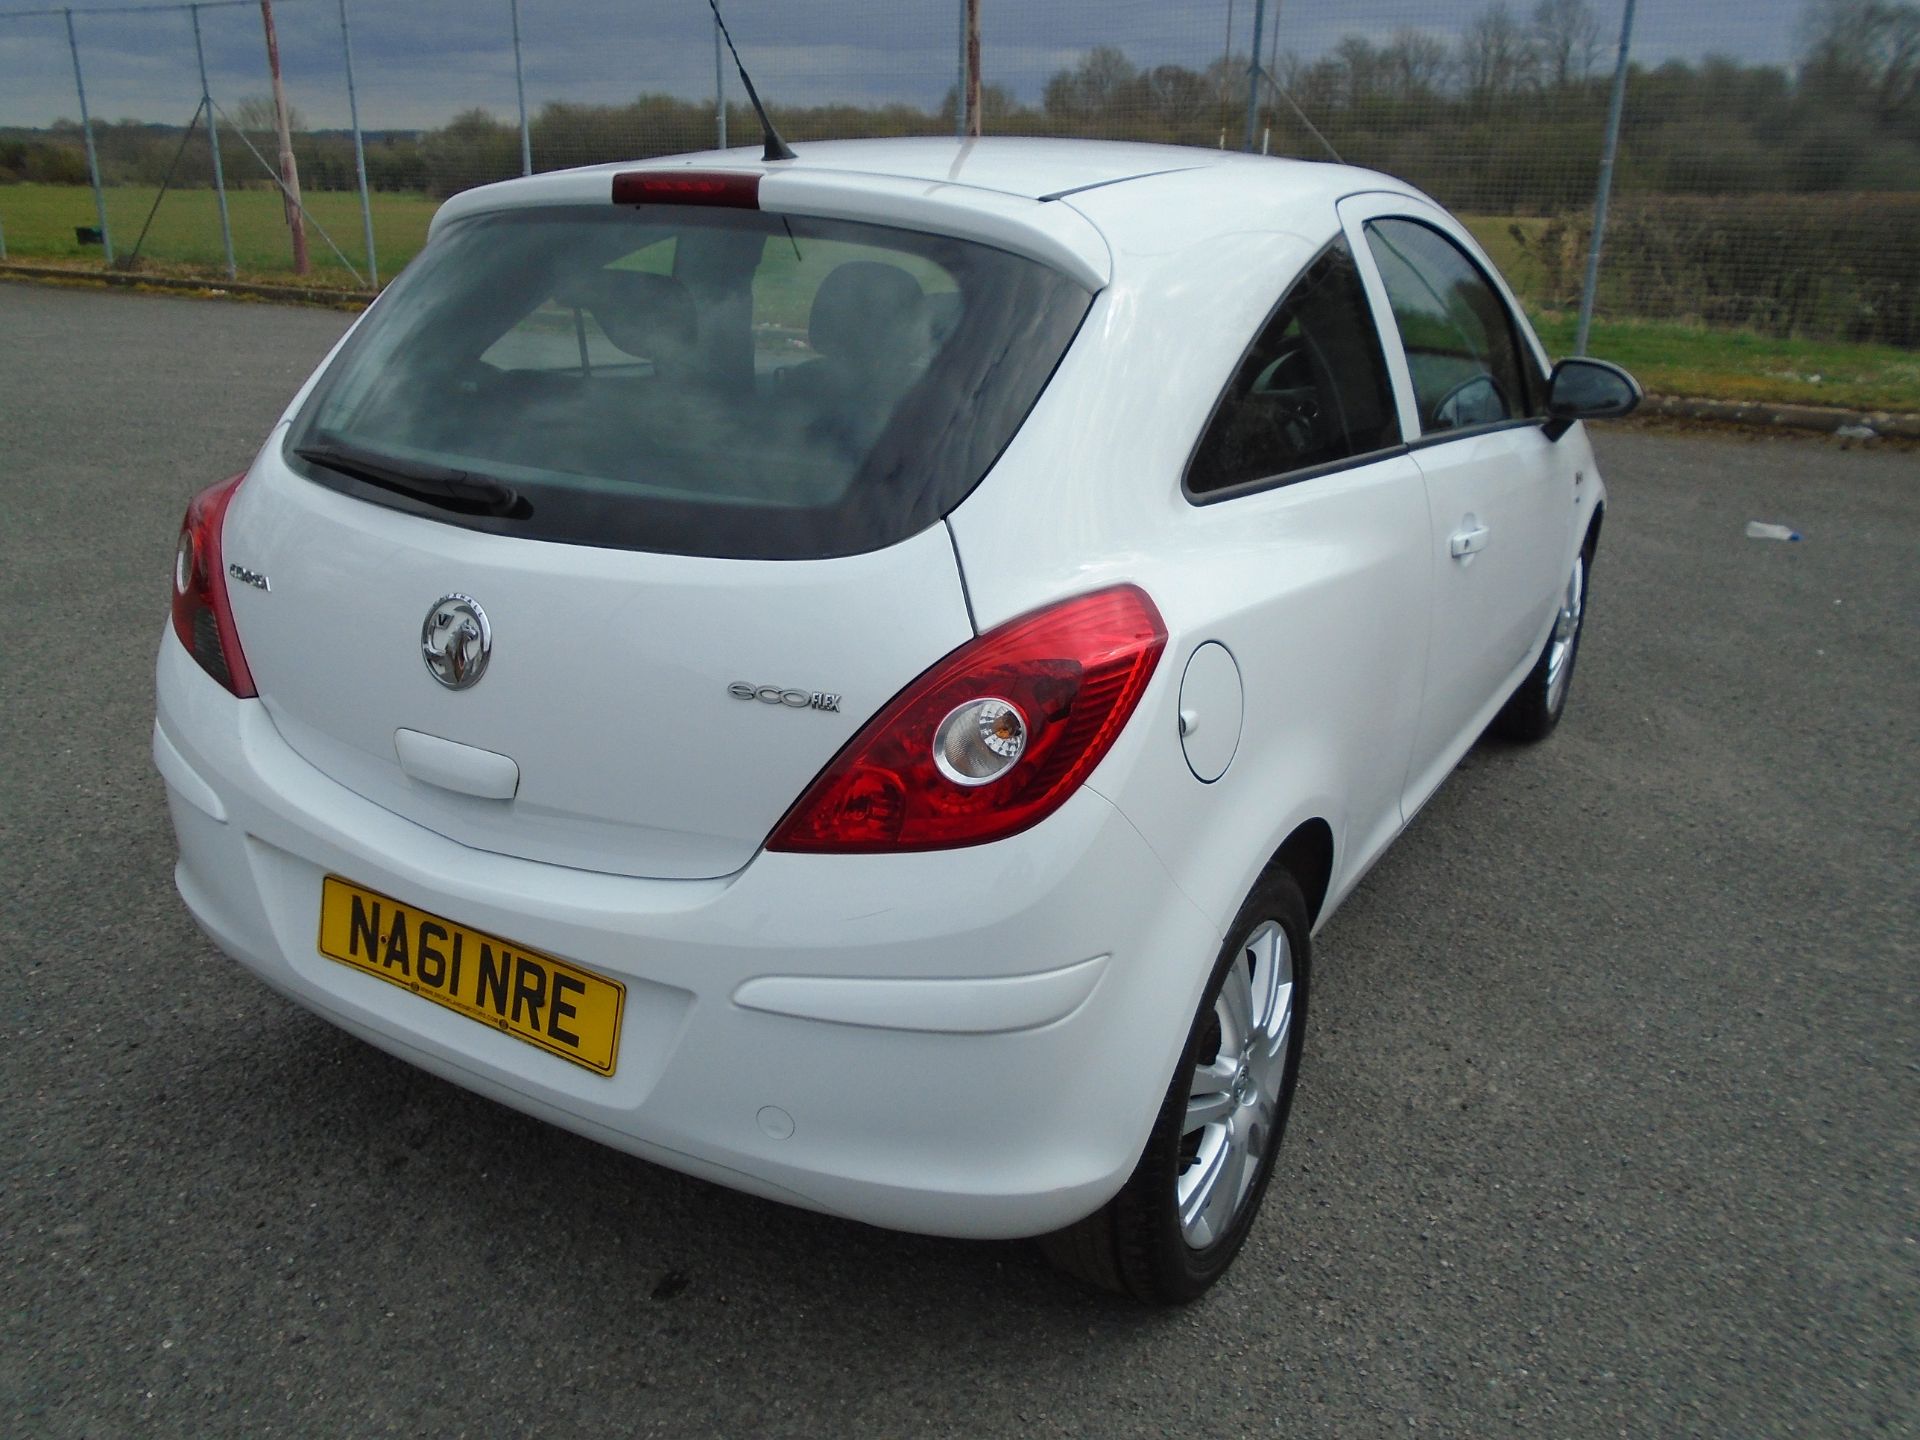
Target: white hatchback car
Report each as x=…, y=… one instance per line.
x=856, y=677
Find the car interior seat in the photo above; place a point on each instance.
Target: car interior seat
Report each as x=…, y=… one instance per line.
x=871, y=329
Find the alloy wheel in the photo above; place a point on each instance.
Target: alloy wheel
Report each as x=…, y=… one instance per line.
x=1234, y=1097
x=1566, y=635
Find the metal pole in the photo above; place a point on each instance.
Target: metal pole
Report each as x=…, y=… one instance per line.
x=1605, y=189
x=213, y=144
x=520, y=89
x=93, y=160
x=289, y=169
x=960, y=73
x=3, y=242
x=1273, y=49
x=973, y=68
x=719, y=89
x=359, y=151
x=1253, y=74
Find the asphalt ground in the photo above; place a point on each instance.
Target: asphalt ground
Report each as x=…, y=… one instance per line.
x=1607, y=1125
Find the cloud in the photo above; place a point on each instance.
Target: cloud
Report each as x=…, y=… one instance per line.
x=421, y=61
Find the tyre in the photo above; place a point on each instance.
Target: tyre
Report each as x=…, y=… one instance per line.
x=1536, y=707
x=1182, y=1216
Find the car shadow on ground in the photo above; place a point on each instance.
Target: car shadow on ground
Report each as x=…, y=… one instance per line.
x=419, y=1167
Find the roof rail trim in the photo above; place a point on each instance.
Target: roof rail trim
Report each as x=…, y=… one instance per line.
x=1119, y=180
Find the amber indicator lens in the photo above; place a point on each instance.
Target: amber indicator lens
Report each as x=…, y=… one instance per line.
x=980, y=741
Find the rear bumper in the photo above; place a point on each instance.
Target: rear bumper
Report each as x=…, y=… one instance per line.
x=967, y=1043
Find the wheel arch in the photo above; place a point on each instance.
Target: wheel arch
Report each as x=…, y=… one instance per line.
x=1307, y=855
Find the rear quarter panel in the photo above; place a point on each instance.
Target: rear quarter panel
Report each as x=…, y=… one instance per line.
x=1315, y=587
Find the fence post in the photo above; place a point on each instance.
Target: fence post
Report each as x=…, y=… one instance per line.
x=520, y=89
x=359, y=151
x=976, y=123
x=1609, y=149
x=213, y=145
x=960, y=73
x=93, y=160
x=283, y=131
x=1253, y=74
x=719, y=90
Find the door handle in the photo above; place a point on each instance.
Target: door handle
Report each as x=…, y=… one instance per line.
x=1468, y=541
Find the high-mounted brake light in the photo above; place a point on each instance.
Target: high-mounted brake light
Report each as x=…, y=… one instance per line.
x=733, y=189
x=991, y=740
x=202, y=618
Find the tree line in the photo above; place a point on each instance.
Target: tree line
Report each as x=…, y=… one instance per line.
x=1505, y=117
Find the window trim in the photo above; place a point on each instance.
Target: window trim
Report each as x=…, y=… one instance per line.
x=1528, y=360
x=1468, y=432
x=1294, y=477
x=1307, y=472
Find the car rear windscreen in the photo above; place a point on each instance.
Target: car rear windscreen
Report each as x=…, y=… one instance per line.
x=700, y=382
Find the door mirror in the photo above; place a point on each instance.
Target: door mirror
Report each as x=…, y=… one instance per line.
x=1583, y=389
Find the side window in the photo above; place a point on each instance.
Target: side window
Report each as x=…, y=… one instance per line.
x=1466, y=363
x=1311, y=391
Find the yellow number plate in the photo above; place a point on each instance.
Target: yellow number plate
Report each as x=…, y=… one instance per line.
x=563, y=1009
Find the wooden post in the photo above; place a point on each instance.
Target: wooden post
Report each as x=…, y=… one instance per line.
x=289, y=171
x=972, y=70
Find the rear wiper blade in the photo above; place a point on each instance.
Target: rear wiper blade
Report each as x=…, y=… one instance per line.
x=441, y=485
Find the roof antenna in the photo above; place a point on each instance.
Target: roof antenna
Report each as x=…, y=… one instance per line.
x=777, y=149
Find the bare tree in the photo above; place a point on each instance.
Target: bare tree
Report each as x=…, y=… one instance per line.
x=1415, y=63
x=1411, y=64
x=1178, y=96
x=1867, y=49
x=997, y=105
x=254, y=114
x=1096, y=87
x=1567, y=39
x=1361, y=73
x=1496, y=53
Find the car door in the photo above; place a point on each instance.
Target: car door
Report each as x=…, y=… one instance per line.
x=1499, y=508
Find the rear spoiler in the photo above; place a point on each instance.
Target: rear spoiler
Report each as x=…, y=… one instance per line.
x=1057, y=235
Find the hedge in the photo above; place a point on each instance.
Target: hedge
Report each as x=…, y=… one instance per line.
x=1832, y=267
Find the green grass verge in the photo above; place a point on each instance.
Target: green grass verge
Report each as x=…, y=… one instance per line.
x=39, y=221
x=1670, y=358
x=1495, y=234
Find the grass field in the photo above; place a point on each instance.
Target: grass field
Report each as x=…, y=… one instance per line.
x=1670, y=358
x=39, y=221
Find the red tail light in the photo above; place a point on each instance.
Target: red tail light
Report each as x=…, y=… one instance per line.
x=730, y=189
x=991, y=740
x=201, y=616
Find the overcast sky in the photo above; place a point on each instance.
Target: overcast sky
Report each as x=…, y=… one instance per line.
x=419, y=61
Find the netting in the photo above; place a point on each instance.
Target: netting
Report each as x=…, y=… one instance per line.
x=1768, y=173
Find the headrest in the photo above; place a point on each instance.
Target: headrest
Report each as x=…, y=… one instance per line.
x=648, y=316
x=869, y=312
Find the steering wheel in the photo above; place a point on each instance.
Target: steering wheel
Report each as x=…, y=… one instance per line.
x=1290, y=398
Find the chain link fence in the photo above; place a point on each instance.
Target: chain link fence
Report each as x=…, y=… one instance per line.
x=1768, y=173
